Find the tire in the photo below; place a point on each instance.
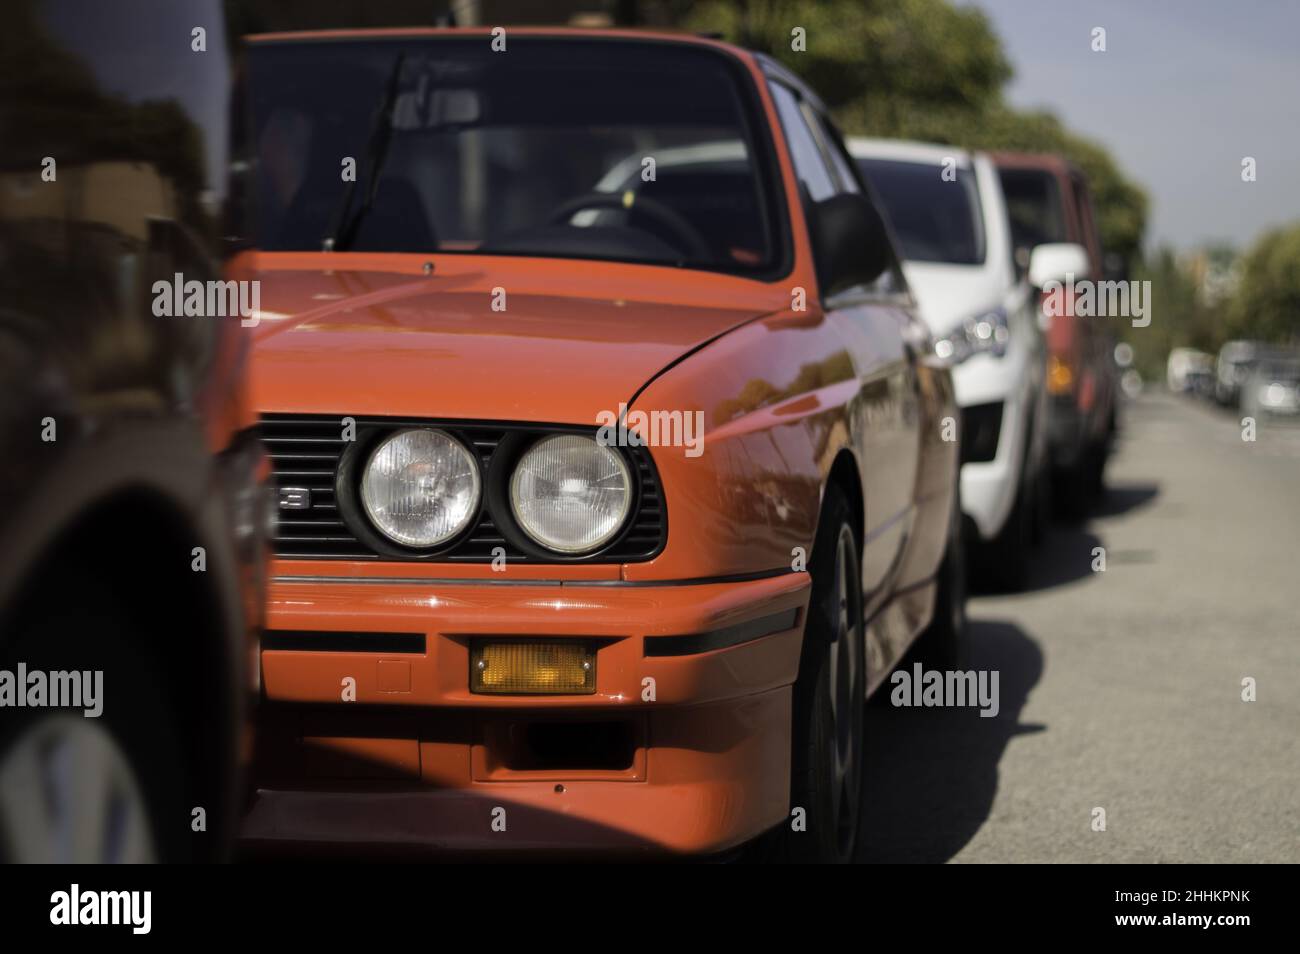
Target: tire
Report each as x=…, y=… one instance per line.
x=1042, y=507
x=829, y=698
x=1079, y=488
x=1004, y=560
x=1073, y=489
x=939, y=645
x=92, y=789
x=1096, y=473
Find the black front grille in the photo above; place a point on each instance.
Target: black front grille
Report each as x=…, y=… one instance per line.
x=306, y=451
x=981, y=425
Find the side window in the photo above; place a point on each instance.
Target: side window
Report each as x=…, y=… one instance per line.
x=1087, y=223
x=815, y=151
x=809, y=165
x=832, y=150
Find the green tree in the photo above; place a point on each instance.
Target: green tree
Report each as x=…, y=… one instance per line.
x=1267, y=300
x=1180, y=315
x=886, y=56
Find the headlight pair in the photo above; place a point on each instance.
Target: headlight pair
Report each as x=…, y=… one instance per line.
x=421, y=487
x=985, y=333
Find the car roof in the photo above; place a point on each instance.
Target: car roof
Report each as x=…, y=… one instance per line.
x=1241, y=348
x=903, y=150
x=1042, y=161
x=566, y=33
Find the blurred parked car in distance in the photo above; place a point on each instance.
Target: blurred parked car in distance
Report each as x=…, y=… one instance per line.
x=1272, y=391
x=1183, y=366
x=1236, y=363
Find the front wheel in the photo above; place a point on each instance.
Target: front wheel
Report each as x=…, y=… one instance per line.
x=69, y=793
x=829, y=695
x=106, y=782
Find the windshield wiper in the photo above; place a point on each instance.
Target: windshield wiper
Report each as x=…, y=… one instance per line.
x=342, y=228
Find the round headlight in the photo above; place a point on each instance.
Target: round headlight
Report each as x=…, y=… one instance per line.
x=571, y=494
x=420, y=487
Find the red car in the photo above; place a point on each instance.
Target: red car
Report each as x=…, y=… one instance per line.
x=1049, y=203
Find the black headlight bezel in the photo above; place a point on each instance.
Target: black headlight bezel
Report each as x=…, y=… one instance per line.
x=350, y=474
x=498, y=446
x=508, y=523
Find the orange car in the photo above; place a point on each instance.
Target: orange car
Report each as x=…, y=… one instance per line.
x=615, y=469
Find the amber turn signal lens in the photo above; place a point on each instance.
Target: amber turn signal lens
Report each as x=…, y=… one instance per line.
x=1060, y=377
x=532, y=667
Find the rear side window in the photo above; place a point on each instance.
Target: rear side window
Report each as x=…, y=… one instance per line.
x=1087, y=222
x=832, y=149
x=935, y=220
x=1034, y=207
x=809, y=165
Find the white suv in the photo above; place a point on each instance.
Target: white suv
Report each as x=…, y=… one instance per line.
x=950, y=221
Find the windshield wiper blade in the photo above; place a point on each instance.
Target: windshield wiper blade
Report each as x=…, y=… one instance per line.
x=342, y=228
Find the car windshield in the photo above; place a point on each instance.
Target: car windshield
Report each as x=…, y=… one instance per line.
x=1284, y=372
x=935, y=219
x=1034, y=207
x=623, y=150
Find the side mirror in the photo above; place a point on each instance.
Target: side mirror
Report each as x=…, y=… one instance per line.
x=850, y=241
x=1055, y=261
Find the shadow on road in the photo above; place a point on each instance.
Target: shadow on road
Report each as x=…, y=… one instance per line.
x=1119, y=499
x=932, y=773
x=1066, y=556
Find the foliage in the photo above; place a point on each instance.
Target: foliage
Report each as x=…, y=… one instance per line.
x=1267, y=301
x=1180, y=315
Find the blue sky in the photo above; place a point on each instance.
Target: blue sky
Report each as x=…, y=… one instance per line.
x=1185, y=89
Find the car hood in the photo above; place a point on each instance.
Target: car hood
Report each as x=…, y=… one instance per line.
x=949, y=294
x=370, y=342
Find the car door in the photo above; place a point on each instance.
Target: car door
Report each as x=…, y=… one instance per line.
x=876, y=328
x=1099, y=341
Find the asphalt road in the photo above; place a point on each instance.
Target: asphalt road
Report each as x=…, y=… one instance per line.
x=1122, y=689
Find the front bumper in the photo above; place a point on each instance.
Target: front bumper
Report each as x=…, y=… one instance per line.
x=692, y=688
x=989, y=487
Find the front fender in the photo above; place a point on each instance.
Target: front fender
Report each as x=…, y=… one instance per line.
x=771, y=401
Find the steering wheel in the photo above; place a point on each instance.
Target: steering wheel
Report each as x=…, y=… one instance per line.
x=629, y=201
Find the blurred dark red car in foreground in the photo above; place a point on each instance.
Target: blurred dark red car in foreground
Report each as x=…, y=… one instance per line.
x=131, y=567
